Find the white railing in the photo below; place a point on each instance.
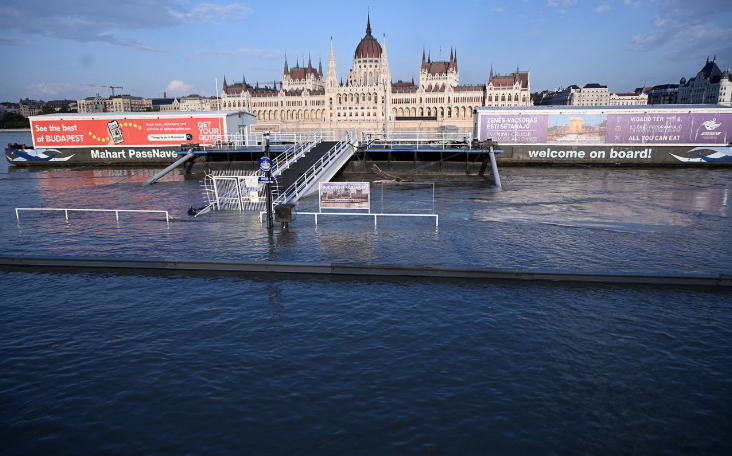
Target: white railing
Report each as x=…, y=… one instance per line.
x=310, y=177
x=257, y=139
x=288, y=138
x=67, y=210
x=293, y=154
x=228, y=190
x=416, y=139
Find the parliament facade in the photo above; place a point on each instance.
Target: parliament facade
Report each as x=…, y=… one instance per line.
x=307, y=99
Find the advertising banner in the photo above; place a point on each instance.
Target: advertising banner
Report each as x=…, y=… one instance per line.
x=514, y=128
x=711, y=128
x=656, y=128
x=344, y=195
x=126, y=132
x=576, y=128
x=622, y=128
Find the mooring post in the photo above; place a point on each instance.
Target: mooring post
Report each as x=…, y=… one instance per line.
x=494, y=167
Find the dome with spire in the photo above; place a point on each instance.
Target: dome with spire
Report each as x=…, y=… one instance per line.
x=368, y=48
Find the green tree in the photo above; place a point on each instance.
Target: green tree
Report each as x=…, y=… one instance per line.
x=45, y=109
x=13, y=120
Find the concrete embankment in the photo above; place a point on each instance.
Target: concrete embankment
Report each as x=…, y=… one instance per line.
x=358, y=270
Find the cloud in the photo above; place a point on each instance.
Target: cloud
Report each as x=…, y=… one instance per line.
x=109, y=22
x=176, y=87
x=689, y=30
x=13, y=41
x=247, y=52
x=50, y=89
x=498, y=9
x=564, y=3
x=209, y=12
x=603, y=8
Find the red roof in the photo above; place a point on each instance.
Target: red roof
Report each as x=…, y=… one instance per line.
x=368, y=48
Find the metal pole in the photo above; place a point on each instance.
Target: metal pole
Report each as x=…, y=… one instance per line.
x=270, y=219
x=494, y=167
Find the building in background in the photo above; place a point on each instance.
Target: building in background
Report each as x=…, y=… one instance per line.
x=62, y=105
x=117, y=103
x=8, y=106
x=307, y=98
x=590, y=95
x=30, y=107
x=663, y=94
x=710, y=86
x=628, y=99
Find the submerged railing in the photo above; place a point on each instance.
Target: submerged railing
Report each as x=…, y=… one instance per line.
x=67, y=210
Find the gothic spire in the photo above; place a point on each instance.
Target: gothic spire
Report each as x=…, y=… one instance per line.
x=424, y=62
x=287, y=70
x=368, y=23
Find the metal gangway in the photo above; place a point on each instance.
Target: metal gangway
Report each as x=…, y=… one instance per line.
x=321, y=171
x=240, y=189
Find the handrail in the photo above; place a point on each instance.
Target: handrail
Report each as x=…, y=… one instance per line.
x=294, y=153
x=66, y=210
x=302, y=183
x=418, y=138
x=257, y=139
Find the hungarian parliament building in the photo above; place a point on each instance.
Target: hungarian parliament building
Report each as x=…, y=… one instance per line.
x=307, y=99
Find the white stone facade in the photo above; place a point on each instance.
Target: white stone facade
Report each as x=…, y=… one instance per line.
x=369, y=100
x=709, y=86
x=120, y=103
x=628, y=99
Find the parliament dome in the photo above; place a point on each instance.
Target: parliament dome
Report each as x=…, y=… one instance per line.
x=368, y=48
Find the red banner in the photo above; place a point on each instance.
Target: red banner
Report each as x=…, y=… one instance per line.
x=126, y=132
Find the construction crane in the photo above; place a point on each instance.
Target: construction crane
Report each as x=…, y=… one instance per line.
x=107, y=86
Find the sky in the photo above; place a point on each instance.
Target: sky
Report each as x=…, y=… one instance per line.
x=52, y=49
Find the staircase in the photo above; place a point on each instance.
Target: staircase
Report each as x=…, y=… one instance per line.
x=322, y=163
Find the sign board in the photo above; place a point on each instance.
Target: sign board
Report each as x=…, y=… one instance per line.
x=251, y=181
x=613, y=128
x=265, y=164
x=344, y=195
x=263, y=128
x=126, y=132
x=266, y=180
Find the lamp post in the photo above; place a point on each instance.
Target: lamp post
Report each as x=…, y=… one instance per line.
x=270, y=221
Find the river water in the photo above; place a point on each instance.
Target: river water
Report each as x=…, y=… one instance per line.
x=121, y=363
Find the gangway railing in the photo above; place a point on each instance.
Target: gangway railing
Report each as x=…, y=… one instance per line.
x=242, y=139
x=305, y=182
x=417, y=139
x=233, y=190
x=305, y=144
x=68, y=209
